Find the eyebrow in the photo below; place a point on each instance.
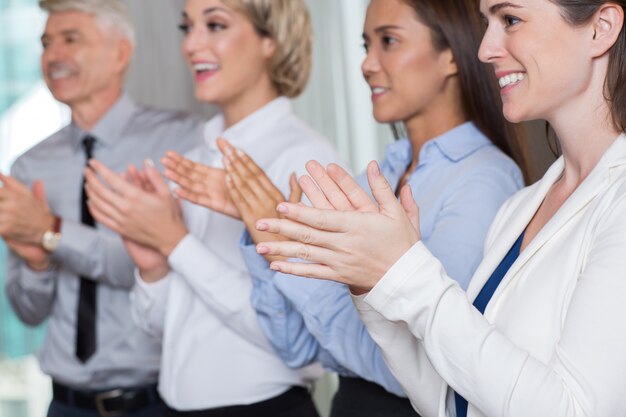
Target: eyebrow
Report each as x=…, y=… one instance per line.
x=381, y=29
x=63, y=33
x=207, y=11
x=496, y=7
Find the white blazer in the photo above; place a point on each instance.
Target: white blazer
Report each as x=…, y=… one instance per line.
x=552, y=341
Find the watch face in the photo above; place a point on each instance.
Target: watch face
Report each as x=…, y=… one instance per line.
x=50, y=240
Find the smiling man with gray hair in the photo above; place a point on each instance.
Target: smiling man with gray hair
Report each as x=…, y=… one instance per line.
x=63, y=266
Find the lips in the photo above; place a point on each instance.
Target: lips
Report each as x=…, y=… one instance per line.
x=510, y=78
x=60, y=70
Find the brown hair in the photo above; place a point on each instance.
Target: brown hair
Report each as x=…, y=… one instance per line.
x=578, y=13
x=288, y=23
x=455, y=24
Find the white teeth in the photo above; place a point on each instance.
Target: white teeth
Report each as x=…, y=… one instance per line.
x=205, y=66
x=511, y=79
x=55, y=75
x=378, y=90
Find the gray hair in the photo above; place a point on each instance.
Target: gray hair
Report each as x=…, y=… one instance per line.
x=111, y=14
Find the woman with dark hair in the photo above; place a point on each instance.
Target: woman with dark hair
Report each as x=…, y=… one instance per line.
x=422, y=69
x=540, y=331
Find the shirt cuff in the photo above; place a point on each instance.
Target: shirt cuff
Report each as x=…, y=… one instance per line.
x=257, y=264
x=405, y=268
x=38, y=281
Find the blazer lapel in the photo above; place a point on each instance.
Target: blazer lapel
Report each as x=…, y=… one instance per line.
x=594, y=184
x=517, y=220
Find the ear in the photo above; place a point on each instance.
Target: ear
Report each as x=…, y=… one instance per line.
x=268, y=46
x=449, y=63
x=606, y=26
x=124, y=54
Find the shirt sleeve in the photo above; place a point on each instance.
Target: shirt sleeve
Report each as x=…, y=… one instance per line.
x=93, y=254
x=148, y=304
x=461, y=226
x=221, y=287
x=30, y=293
x=331, y=318
x=586, y=375
x=282, y=324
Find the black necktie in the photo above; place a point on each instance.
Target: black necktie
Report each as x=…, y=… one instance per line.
x=86, y=321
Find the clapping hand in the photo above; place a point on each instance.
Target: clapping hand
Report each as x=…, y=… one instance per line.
x=346, y=237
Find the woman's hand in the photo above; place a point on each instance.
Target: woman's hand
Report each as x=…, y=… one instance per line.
x=253, y=193
x=152, y=219
x=199, y=184
x=347, y=237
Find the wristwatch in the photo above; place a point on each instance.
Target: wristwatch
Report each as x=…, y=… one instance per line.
x=52, y=238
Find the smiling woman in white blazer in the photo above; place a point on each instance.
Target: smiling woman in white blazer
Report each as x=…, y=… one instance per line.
x=552, y=339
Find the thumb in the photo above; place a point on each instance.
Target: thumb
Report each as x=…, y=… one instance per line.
x=295, y=194
x=40, y=193
x=381, y=190
x=410, y=207
x=154, y=178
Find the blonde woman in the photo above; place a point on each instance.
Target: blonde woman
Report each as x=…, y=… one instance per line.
x=193, y=288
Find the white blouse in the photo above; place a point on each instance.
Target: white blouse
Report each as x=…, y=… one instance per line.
x=214, y=351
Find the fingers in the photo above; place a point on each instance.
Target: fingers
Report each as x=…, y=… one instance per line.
x=314, y=194
x=288, y=249
x=155, y=179
x=410, y=207
x=40, y=193
x=327, y=185
x=251, y=176
x=116, y=183
x=304, y=224
x=381, y=190
x=295, y=191
x=309, y=270
x=11, y=183
x=359, y=199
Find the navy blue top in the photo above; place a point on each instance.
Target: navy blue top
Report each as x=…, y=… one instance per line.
x=483, y=298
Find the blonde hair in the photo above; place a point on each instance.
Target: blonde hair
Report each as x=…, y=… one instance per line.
x=287, y=22
x=110, y=14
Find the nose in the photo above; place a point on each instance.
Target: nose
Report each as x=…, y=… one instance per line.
x=491, y=47
x=193, y=39
x=370, y=64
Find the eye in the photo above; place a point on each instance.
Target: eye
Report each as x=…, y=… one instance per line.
x=511, y=20
x=215, y=27
x=71, y=39
x=388, y=40
x=184, y=27
x=366, y=46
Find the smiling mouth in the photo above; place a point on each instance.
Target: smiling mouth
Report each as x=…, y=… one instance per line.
x=205, y=67
x=511, y=79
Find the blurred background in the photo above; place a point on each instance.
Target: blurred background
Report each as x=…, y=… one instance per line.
x=336, y=103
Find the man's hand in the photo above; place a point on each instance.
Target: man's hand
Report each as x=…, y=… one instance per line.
x=24, y=214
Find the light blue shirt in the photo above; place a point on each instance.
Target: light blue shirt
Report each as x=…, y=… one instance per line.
x=461, y=181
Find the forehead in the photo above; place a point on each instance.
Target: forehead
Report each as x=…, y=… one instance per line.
x=59, y=22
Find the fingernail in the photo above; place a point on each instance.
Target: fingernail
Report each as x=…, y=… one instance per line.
x=375, y=170
x=262, y=250
x=226, y=161
x=262, y=227
x=149, y=162
x=274, y=267
x=228, y=151
x=282, y=209
x=238, y=151
x=229, y=179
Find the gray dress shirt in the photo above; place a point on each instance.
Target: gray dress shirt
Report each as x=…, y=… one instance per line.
x=125, y=355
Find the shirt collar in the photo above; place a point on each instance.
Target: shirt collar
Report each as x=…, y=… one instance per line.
x=458, y=143
x=110, y=127
x=250, y=128
x=455, y=145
